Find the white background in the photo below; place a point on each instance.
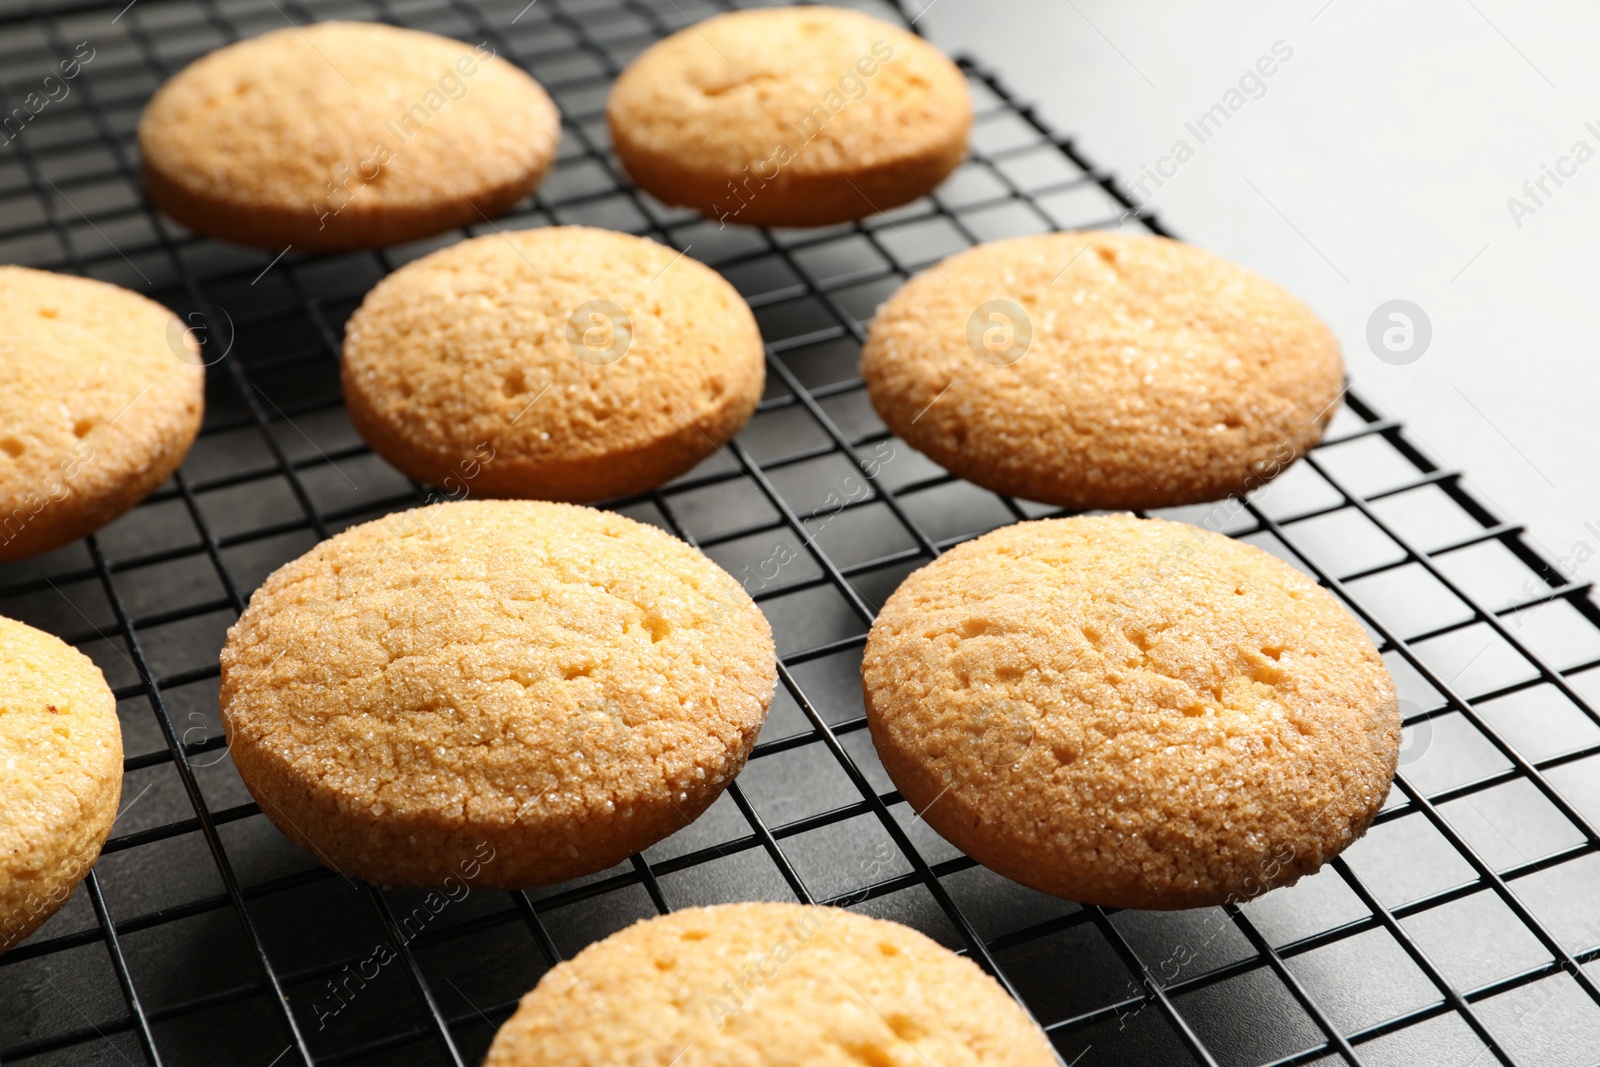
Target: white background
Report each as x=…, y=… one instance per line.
x=1377, y=165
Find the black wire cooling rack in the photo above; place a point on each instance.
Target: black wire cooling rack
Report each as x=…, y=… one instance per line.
x=1463, y=929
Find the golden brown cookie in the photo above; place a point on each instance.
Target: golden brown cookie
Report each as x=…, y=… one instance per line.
x=511, y=693
x=60, y=774
x=565, y=363
x=745, y=984
x=344, y=135
x=101, y=393
x=790, y=116
x=1131, y=712
x=1096, y=370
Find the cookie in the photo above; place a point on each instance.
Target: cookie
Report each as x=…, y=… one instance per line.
x=101, y=394
x=768, y=983
x=565, y=363
x=1095, y=370
x=790, y=116
x=344, y=135
x=60, y=774
x=1131, y=712
x=513, y=693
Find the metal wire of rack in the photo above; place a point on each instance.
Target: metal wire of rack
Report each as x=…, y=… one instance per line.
x=1463, y=929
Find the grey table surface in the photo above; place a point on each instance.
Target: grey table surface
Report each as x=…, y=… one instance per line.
x=1379, y=161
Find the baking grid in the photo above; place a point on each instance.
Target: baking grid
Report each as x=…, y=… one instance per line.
x=1463, y=929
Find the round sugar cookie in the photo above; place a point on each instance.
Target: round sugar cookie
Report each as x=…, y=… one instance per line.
x=1131, y=712
x=508, y=693
x=790, y=116
x=565, y=363
x=344, y=135
x=101, y=395
x=60, y=774
x=744, y=984
x=1097, y=370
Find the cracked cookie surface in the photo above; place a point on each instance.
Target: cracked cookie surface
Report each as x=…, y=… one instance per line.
x=1131, y=712
x=343, y=135
x=101, y=397
x=780, y=985
x=790, y=116
x=562, y=363
x=1102, y=370
x=555, y=686
x=60, y=774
